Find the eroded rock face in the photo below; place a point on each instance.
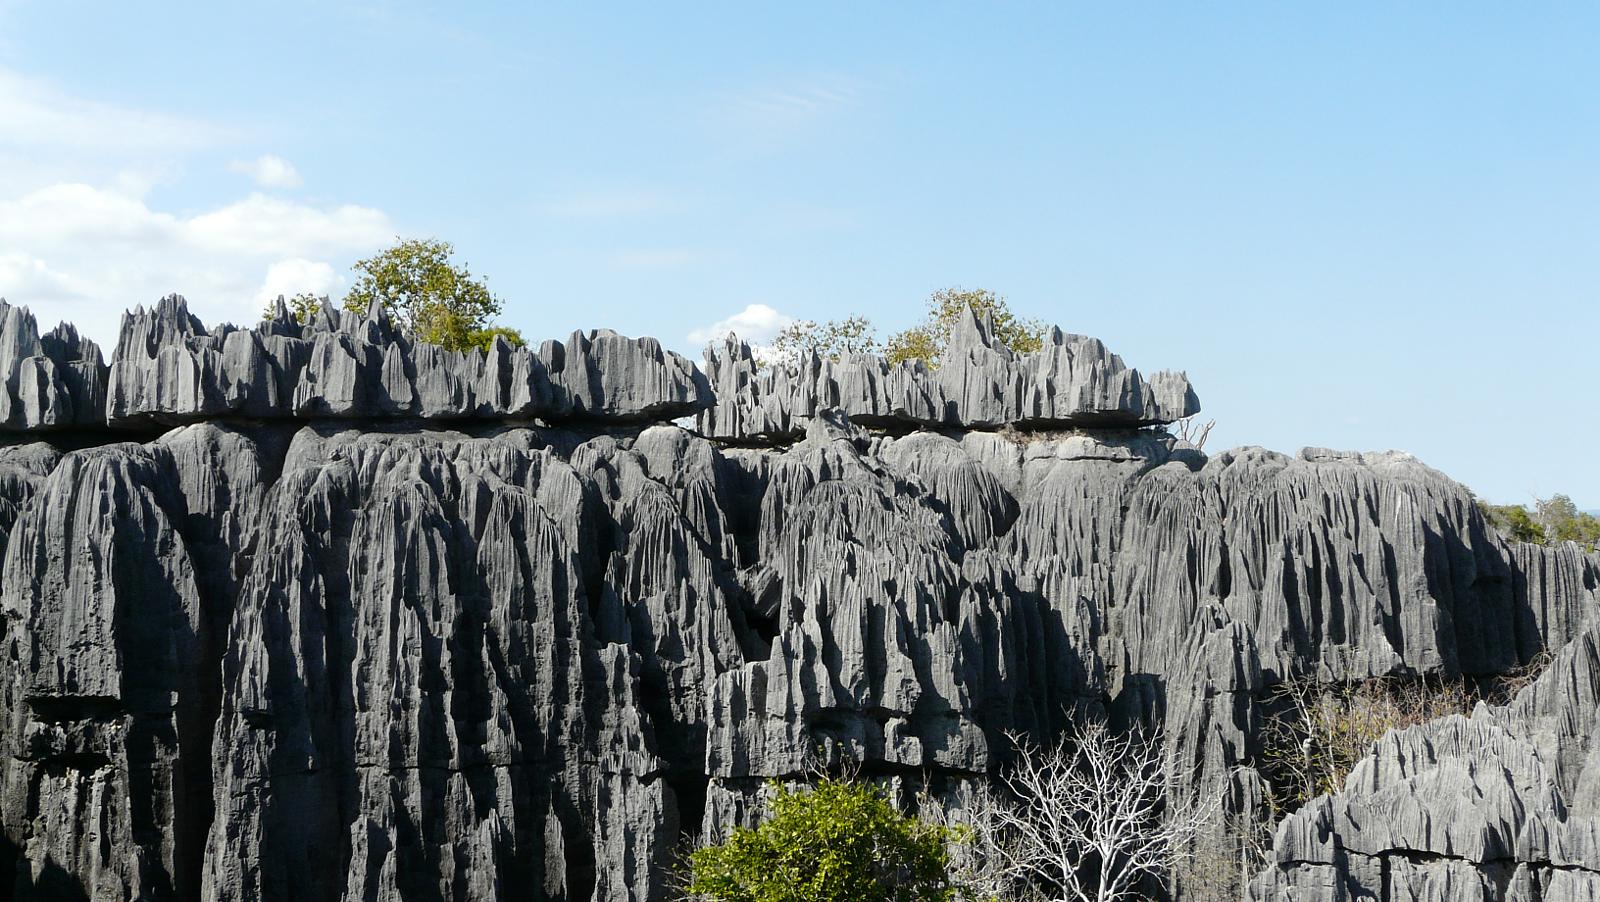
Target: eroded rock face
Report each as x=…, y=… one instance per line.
x=1071, y=381
x=169, y=369
x=1503, y=804
x=53, y=382
x=357, y=632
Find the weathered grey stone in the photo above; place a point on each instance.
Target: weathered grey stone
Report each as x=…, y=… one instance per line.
x=169, y=369
x=1500, y=805
x=56, y=381
x=1071, y=381
x=481, y=629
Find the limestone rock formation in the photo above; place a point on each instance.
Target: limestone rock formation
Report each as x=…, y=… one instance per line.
x=378, y=621
x=1071, y=381
x=1503, y=804
x=169, y=369
x=57, y=381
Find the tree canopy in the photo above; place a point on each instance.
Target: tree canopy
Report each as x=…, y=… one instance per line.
x=927, y=340
x=302, y=307
x=440, y=302
x=837, y=841
x=1553, y=519
x=831, y=339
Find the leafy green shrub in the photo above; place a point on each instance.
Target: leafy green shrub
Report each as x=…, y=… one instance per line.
x=440, y=302
x=837, y=841
x=1553, y=519
x=946, y=307
x=1514, y=522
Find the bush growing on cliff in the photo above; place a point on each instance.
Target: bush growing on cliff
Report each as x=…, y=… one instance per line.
x=302, y=307
x=1553, y=519
x=927, y=341
x=832, y=339
x=837, y=841
x=439, y=301
x=1321, y=730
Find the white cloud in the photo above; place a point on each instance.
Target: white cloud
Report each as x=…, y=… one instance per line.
x=802, y=100
x=268, y=171
x=84, y=253
x=30, y=277
x=291, y=277
x=262, y=224
x=50, y=137
x=757, y=324
x=38, y=115
x=81, y=238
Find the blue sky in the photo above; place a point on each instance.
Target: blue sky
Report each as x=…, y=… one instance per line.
x=1361, y=226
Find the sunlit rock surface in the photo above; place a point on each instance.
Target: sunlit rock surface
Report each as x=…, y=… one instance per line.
x=1071, y=381
x=379, y=621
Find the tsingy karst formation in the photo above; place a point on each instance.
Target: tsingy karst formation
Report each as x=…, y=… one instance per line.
x=315, y=612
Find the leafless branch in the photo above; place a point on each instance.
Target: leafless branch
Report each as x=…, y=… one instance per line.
x=1086, y=820
x=1195, y=433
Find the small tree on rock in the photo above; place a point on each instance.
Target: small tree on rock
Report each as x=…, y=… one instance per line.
x=927, y=341
x=302, y=307
x=831, y=339
x=440, y=302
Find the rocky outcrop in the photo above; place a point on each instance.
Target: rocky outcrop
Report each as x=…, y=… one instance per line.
x=356, y=632
x=1503, y=804
x=1070, y=381
x=169, y=369
x=53, y=382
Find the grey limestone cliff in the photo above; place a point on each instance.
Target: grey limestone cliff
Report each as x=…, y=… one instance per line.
x=51, y=382
x=1070, y=381
x=378, y=621
x=1503, y=804
x=169, y=369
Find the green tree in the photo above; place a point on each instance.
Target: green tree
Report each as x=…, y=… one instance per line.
x=440, y=302
x=1563, y=522
x=851, y=335
x=927, y=341
x=302, y=307
x=835, y=842
x=1514, y=522
x=1553, y=519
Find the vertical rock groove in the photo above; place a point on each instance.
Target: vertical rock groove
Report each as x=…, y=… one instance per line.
x=316, y=612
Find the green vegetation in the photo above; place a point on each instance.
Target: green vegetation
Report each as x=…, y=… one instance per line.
x=440, y=302
x=1554, y=519
x=832, y=339
x=302, y=307
x=927, y=341
x=839, y=840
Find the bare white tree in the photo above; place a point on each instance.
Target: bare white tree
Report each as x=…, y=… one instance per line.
x=1192, y=431
x=1085, y=821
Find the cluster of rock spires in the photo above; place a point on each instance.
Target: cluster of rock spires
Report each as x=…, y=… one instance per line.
x=1070, y=381
x=374, y=620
